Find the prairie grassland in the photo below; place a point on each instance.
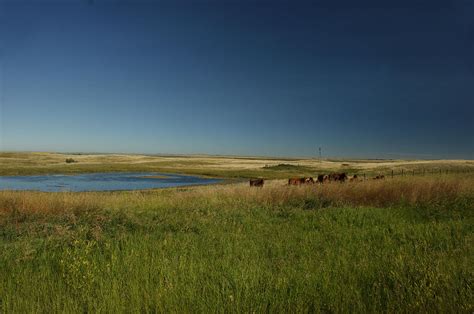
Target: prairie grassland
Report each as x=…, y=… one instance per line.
x=214, y=166
x=398, y=245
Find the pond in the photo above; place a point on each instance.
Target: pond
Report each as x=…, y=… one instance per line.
x=101, y=182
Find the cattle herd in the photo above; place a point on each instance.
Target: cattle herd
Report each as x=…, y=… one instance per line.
x=320, y=179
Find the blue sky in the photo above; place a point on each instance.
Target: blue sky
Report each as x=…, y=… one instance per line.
x=378, y=79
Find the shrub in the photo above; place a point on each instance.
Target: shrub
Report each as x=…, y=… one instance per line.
x=286, y=167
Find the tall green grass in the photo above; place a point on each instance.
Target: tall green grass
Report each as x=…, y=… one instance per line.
x=394, y=246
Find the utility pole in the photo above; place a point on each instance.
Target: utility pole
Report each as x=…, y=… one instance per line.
x=319, y=153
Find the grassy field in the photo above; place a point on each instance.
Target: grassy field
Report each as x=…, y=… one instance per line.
x=396, y=245
x=213, y=166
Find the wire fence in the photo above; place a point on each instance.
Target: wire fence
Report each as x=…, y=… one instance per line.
x=412, y=172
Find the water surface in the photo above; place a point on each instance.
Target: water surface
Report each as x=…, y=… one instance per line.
x=100, y=182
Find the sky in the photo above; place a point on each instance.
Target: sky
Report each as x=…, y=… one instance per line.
x=360, y=79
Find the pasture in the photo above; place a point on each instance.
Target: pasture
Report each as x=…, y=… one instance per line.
x=394, y=245
x=216, y=166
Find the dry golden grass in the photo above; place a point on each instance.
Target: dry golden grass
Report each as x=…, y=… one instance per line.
x=379, y=193
x=44, y=163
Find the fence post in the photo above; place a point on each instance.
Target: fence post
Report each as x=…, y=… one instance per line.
x=402, y=172
x=392, y=173
x=413, y=172
x=364, y=176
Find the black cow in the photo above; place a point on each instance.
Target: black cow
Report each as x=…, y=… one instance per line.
x=340, y=177
x=257, y=182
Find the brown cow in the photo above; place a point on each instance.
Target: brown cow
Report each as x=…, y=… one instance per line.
x=300, y=181
x=257, y=182
x=379, y=177
x=296, y=181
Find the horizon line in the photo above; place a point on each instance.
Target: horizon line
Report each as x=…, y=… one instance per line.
x=327, y=158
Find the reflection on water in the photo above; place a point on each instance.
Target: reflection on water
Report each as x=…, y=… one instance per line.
x=100, y=182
